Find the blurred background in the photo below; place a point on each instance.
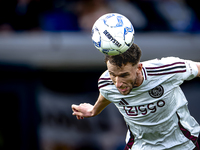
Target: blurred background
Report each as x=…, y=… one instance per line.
x=48, y=62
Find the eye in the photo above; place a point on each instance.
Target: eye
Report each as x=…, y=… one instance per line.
x=112, y=74
x=124, y=75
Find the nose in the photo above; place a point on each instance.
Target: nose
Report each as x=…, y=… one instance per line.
x=118, y=82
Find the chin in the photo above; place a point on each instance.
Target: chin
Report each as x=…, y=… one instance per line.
x=125, y=93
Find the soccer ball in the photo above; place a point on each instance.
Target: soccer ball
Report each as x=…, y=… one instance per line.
x=112, y=34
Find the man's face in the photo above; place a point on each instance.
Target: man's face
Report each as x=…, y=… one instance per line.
x=125, y=77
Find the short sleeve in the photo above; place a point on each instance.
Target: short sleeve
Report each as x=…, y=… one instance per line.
x=104, y=93
x=181, y=69
x=192, y=70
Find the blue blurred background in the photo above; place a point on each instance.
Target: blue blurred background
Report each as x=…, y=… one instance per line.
x=48, y=62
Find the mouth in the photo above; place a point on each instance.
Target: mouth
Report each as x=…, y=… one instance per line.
x=123, y=89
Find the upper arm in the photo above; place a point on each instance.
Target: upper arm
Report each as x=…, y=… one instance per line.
x=100, y=104
x=198, y=66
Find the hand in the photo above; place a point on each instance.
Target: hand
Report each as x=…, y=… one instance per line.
x=83, y=110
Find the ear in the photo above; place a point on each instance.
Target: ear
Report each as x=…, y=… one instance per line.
x=139, y=67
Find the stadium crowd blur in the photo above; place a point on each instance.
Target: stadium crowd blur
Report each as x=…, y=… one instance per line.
x=79, y=15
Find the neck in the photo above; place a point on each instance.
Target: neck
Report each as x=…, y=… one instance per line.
x=140, y=78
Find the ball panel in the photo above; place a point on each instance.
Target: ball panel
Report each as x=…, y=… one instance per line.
x=110, y=52
x=96, y=38
x=124, y=48
x=113, y=21
x=129, y=38
x=105, y=44
x=117, y=43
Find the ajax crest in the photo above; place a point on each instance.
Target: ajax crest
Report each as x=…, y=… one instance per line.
x=156, y=92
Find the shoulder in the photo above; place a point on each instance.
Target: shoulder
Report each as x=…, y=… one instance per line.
x=179, y=69
x=164, y=66
x=163, y=62
x=104, y=80
x=106, y=86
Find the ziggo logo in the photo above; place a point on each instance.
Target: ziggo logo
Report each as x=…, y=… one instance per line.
x=143, y=109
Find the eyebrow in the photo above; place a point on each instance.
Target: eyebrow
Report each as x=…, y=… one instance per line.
x=124, y=74
x=121, y=74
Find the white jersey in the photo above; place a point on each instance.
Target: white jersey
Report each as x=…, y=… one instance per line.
x=156, y=111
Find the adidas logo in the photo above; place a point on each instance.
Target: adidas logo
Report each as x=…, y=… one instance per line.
x=123, y=102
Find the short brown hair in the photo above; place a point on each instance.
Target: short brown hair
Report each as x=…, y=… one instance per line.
x=132, y=55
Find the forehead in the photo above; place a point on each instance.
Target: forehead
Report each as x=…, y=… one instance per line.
x=124, y=68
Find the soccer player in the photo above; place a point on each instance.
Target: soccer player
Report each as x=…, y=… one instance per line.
x=148, y=96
